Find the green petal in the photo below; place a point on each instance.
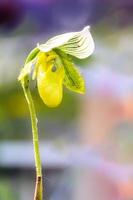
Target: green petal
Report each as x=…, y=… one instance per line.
x=73, y=80
x=32, y=55
x=78, y=44
x=26, y=70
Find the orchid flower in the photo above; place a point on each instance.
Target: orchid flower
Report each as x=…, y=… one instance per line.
x=52, y=66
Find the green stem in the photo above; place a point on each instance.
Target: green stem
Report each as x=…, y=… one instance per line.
x=28, y=96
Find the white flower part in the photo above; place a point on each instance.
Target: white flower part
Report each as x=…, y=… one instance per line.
x=78, y=44
x=26, y=70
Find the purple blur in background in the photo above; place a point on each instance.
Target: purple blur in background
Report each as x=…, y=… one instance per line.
x=87, y=142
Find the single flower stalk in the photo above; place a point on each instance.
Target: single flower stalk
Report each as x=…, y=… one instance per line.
x=51, y=65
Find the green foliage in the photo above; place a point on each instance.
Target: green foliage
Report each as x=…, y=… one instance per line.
x=6, y=191
x=14, y=112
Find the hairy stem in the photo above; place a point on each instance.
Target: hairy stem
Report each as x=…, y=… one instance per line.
x=38, y=190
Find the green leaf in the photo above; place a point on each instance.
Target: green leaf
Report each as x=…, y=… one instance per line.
x=73, y=80
x=78, y=44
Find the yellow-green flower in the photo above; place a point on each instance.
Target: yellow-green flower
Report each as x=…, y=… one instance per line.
x=52, y=66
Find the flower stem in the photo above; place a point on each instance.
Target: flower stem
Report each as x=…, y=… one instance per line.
x=38, y=190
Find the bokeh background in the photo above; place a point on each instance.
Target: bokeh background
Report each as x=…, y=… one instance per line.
x=87, y=142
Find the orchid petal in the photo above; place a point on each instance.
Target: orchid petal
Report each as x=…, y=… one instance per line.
x=78, y=44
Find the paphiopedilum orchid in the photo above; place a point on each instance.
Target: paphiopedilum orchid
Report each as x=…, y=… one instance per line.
x=52, y=66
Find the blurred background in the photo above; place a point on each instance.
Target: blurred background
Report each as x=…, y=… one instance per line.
x=87, y=142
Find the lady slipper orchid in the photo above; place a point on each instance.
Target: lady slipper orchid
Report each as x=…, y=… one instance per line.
x=52, y=66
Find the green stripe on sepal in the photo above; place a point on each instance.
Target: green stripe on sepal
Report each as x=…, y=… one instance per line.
x=73, y=79
x=81, y=45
